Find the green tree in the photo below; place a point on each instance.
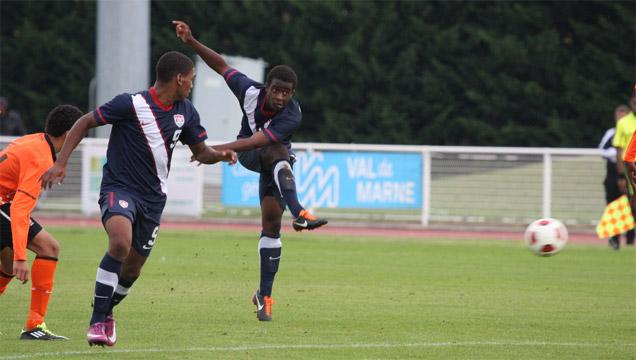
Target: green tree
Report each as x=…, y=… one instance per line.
x=47, y=55
x=404, y=72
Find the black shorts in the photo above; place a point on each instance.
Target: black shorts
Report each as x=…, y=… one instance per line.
x=144, y=217
x=6, y=238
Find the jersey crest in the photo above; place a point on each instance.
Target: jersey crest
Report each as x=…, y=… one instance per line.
x=179, y=120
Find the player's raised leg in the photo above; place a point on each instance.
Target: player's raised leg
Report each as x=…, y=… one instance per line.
x=275, y=158
x=119, y=229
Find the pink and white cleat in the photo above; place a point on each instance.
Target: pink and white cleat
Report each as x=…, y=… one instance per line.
x=96, y=335
x=110, y=330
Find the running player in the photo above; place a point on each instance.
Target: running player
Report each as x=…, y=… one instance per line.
x=21, y=165
x=146, y=128
x=270, y=118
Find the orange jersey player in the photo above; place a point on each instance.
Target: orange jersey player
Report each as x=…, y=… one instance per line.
x=22, y=163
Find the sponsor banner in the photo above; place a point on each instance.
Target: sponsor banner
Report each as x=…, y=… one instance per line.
x=339, y=179
x=185, y=182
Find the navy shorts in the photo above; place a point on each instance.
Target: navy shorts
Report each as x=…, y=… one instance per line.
x=144, y=217
x=250, y=159
x=266, y=185
x=6, y=238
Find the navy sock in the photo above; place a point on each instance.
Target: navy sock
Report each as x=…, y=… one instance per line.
x=269, y=249
x=105, y=283
x=286, y=183
x=121, y=291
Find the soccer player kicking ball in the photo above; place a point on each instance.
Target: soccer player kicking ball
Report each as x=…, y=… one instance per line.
x=22, y=163
x=146, y=128
x=270, y=118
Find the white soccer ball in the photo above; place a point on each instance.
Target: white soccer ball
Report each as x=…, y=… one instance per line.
x=546, y=237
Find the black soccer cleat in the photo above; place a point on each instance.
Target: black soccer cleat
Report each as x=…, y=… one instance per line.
x=306, y=221
x=263, y=306
x=40, y=332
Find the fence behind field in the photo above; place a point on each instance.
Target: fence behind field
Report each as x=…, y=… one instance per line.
x=474, y=185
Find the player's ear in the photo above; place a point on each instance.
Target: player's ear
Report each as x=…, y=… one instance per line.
x=179, y=79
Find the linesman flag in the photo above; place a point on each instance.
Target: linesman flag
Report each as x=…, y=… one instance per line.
x=616, y=219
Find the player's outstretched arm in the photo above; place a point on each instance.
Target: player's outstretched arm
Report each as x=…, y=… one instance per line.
x=253, y=142
x=57, y=172
x=211, y=57
x=207, y=155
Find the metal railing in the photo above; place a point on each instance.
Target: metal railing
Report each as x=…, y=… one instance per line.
x=474, y=185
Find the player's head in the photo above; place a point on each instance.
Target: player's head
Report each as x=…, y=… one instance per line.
x=281, y=83
x=621, y=111
x=632, y=102
x=175, y=68
x=61, y=119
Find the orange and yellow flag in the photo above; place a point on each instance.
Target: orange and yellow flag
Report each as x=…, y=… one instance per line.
x=616, y=219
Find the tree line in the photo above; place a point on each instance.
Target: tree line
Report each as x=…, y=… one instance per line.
x=387, y=72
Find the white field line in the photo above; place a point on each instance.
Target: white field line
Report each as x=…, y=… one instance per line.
x=310, y=347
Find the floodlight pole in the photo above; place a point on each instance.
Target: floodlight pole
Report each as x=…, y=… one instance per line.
x=122, y=50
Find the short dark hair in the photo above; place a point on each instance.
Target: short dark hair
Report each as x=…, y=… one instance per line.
x=622, y=108
x=171, y=64
x=282, y=73
x=61, y=119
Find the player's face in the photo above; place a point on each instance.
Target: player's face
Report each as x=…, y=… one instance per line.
x=278, y=94
x=618, y=114
x=185, y=84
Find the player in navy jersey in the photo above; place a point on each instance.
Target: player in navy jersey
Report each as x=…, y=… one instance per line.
x=145, y=129
x=270, y=118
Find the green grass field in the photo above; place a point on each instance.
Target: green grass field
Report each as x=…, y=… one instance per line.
x=343, y=298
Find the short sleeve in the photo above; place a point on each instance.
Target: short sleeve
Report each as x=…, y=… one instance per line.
x=285, y=124
x=118, y=109
x=193, y=132
x=239, y=83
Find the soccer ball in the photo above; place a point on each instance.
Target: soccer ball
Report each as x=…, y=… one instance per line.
x=546, y=237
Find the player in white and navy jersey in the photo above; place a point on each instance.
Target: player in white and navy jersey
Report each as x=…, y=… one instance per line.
x=270, y=118
x=145, y=129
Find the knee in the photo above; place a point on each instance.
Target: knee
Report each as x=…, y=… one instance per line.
x=273, y=153
x=53, y=248
x=118, y=247
x=282, y=164
x=50, y=247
